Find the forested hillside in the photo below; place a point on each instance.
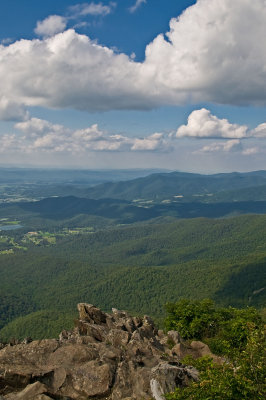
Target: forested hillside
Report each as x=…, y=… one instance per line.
x=137, y=267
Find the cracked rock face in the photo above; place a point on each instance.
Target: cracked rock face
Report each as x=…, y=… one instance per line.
x=106, y=356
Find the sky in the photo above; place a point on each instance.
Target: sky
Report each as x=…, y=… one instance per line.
x=175, y=84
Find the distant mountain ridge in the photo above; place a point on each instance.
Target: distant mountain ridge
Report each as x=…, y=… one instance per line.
x=70, y=176
x=161, y=185
x=132, y=185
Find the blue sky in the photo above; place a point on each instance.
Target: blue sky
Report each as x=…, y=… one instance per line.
x=111, y=85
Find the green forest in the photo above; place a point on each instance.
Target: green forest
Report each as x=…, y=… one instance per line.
x=137, y=267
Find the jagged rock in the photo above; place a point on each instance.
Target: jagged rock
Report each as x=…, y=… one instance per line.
x=196, y=349
x=13, y=342
x=29, y=393
x=118, y=337
x=201, y=349
x=166, y=377
x=118, y=314
x=96, y=332
x=109, y=356
x=27, y=340
x=65, y=335
x=92, y=314
x=174, y=336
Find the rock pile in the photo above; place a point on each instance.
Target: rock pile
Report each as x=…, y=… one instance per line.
x=106, y=356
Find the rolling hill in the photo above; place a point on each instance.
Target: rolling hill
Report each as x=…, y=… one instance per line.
x=165, y=185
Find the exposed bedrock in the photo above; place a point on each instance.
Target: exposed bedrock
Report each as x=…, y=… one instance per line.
x=107, y=356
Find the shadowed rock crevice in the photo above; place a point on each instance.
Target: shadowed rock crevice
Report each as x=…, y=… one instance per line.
x=107, y=356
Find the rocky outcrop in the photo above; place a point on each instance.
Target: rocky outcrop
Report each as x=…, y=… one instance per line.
x=107, y=356
x=195, y=349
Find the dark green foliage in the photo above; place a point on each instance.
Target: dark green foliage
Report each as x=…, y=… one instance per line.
x=226, y=330
x=242, y=379
x=242, y=376
x=192, y=319
x=139, y=268
x=14, y=304
x=38, y=325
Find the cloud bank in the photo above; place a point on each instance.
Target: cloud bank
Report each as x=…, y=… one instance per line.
x=40, y=135
x=36, y=136
x=215, y=51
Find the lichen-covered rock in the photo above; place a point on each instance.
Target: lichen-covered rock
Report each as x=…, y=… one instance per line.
x=108, y=356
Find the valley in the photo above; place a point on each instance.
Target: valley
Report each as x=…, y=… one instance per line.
x=134, y=254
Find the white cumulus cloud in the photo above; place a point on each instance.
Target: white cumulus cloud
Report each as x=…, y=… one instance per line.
x=259, y=131
x=215, y=51
x=70, y=70
x=51, y=25
x=202, y=124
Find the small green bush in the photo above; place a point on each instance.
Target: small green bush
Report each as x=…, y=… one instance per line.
x=224, y=329
x=240, y=379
